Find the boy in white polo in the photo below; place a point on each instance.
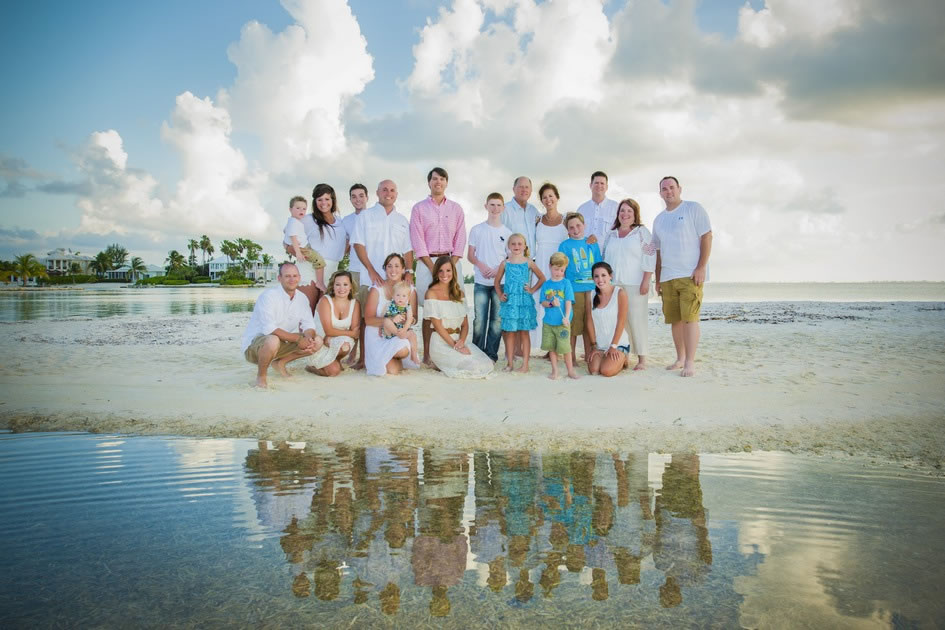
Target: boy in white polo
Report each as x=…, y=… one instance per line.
x=487, y=249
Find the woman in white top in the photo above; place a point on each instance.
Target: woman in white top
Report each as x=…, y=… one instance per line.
x=338, y=322
x=550, y=232
x=630, y=251
x=445, y=307
x=606, y=324
x=325, y=230
x=382, y=355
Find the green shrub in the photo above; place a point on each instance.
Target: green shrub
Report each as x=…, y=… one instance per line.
x=236, y=282
x=201, y=280
x=174, y=282
x=75, y=279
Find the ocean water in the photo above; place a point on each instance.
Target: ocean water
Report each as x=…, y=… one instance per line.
x=113, y=301
x=122, y=531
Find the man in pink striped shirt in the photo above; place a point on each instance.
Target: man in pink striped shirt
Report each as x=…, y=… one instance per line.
x=437, y=228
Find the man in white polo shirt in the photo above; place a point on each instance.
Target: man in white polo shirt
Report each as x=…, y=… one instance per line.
x=599, y=211
x=358, y=196
x=682, y=235
x=281, y=328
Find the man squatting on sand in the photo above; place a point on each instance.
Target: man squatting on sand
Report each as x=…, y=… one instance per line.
x=282, y=329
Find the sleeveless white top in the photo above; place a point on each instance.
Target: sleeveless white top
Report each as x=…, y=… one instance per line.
x=341, y=324
x=605, y=323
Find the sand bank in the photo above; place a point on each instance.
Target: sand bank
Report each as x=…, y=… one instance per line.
x=838, y=378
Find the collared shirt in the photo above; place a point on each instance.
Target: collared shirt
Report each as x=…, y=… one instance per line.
x=598, y=217
x=350, y=221
x=522, y=221
x=275, y=309
x=437, y=228
x=381, y=234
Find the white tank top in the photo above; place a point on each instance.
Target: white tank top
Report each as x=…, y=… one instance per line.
x=605, y=323
x=341, y=324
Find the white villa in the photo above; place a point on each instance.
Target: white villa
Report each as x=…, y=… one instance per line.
x=59, y=262
x=124, y=273
x=257, y=271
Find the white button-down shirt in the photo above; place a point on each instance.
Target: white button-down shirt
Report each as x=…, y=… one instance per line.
x=350, y=222
x=275, y=309
x=381, y=234
x=521, y=221
x=598, y=217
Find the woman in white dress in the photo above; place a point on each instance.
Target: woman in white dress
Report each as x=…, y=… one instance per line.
x=338, y=321
x=550, y=232
x=630, y=251
x=325, y=230
x=386, y=356
x=606, y=324
x=445, y=307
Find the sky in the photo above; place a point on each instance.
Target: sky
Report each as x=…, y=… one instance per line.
x=812, y=133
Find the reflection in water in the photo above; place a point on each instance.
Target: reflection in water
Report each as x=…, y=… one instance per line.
x=134, y=531
x=386, y=519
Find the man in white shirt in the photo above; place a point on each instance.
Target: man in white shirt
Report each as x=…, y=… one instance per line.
x=682, y=235
x=599, y=211
x=359, y=197
x=281, y=328
x=379, y=232
x=488, y=246
x=520, y=216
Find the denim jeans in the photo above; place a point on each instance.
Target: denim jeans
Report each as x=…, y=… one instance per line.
x=487, y=326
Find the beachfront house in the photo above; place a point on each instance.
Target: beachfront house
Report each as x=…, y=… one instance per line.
x=60, y=261
x=124, y=273
x=16, y=281
x=256, y=271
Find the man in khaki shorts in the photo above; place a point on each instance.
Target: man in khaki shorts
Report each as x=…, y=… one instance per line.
x=281, y=328
x=682, y=235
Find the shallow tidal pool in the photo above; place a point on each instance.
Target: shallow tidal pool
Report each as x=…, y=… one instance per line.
x=127, y=531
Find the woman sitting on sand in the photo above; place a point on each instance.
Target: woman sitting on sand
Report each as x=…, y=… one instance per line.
x=444, y=305
x=338, y=321
x=606, y=324
x=382, y=355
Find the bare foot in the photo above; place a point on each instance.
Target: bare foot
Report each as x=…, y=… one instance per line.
x=360, y=365
x=523, y=369
x=261, y=383
x=553, y=376
x=689, y=370
x=280, y=365
x=641, y=365
x=676, y=366
x=573, y=375
x=413, y=357
x=508, y=368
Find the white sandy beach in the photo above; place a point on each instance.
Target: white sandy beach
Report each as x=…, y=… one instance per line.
x=854, y=378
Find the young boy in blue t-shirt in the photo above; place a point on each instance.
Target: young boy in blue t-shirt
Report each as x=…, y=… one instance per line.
x=557, y=298
x=581, y=258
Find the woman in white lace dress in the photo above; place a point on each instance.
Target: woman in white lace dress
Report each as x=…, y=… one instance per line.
x=549, y=234
x=445, y=307
x=386, y=356
x=338, y=321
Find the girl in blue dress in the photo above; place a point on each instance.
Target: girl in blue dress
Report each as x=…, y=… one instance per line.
x=518, y=306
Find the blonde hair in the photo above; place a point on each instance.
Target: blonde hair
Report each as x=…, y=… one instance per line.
x=524, y=240
x=571, y=216
x=559, y=259
x=297, y=198
x=403, y=285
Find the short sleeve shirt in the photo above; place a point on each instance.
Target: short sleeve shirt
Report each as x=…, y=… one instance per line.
x=295, y=228
x=490, y=243
x=677, y=235
x=562, y=290
x=350, y=222
x=581, y=258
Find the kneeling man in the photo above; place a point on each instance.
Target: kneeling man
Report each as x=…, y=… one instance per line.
x=281, y=328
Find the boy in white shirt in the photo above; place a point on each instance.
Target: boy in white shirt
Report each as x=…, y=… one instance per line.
x=296, y=242
x=487, y=249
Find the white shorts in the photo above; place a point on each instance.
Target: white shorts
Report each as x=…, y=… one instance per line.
x=307, y=274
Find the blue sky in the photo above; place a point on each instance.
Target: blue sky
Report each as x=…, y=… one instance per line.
x=719, y=92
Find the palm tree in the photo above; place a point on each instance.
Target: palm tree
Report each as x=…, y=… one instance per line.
x=26, y=266
x=175, y=259
x=205, y=246
x=118, y=255
x=101, y=264
x=193, y=245
x=135, y=267
x=230, y=249
x=75, y=269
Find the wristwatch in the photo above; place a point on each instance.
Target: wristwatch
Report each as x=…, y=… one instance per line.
x=613, y=346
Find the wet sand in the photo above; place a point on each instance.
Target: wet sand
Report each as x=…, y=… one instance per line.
x=858, y=378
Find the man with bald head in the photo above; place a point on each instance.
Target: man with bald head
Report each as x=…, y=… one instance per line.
x=380, y=231
x=281, y=328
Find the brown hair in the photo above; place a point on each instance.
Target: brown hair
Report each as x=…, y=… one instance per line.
x=495, y=195
x=571, y=216
x=318, y=191
x=546, y=186
x=346, y=274
x=403, y=263
x=455, y=293
x=636, y=213
x=298, y=198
